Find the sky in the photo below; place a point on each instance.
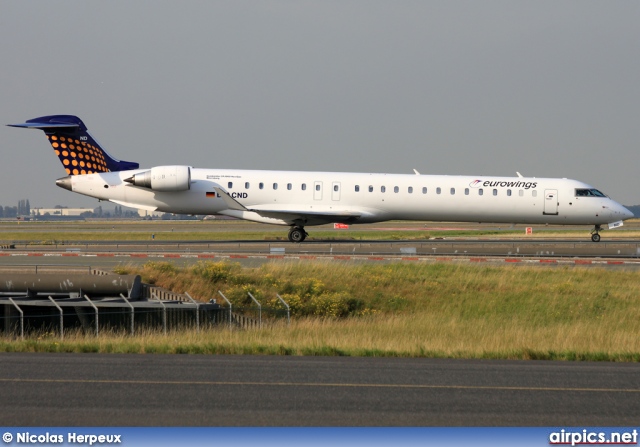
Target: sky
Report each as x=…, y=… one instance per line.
x=546, y=88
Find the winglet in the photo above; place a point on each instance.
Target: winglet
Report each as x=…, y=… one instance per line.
x=416, y=171
x=231, y=203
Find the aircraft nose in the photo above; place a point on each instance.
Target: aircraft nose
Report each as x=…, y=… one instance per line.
x=627, y=214
x=621, y=212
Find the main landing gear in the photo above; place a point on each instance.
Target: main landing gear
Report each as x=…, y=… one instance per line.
x=297, y=234
x=595, y=237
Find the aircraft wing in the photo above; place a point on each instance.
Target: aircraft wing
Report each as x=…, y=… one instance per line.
x=288, y=213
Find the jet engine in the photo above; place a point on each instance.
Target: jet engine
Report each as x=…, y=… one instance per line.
x=163, y=178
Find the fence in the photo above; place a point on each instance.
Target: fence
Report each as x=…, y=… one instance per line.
x=61, y=313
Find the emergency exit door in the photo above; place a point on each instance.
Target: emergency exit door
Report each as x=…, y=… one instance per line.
x=317, y=191
x=551, y=201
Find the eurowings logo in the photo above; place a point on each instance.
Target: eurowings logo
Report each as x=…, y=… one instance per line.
x=496, y=183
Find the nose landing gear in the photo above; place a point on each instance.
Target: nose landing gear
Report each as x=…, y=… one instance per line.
x=297, y=234
x=595, y=237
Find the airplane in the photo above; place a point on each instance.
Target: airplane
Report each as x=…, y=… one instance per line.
x=303, y=198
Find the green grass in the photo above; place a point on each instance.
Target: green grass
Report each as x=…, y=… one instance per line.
x=72, y=232
x=400, y=310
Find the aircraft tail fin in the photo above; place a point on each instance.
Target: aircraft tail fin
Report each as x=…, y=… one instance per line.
x=77, y=150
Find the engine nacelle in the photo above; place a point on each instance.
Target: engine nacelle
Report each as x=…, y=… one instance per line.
x=163, y=178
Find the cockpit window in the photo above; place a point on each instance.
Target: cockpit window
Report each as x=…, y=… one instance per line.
x=585, y=192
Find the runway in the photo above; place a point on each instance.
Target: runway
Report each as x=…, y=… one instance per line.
x=107, y=255
x=190, y=390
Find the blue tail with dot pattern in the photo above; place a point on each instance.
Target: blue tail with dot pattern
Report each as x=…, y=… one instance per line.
x=77, y=150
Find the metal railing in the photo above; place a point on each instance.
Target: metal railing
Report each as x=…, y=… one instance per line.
x=57, y=315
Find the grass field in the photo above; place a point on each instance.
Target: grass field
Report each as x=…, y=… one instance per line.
x=212, y=230
x=403, y=309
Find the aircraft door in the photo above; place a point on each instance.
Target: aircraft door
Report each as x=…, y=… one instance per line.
x=317, y=190
x=335, y=191
x=550, y=201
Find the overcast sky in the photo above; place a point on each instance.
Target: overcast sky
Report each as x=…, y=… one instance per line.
x=547, y=88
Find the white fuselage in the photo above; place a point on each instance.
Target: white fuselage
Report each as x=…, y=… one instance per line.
x=312, y=198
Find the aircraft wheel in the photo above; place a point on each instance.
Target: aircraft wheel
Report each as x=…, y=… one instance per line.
x=595, y=237
x=297, y=234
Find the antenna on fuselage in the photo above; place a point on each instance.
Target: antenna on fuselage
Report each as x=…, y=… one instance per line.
x=519, y=175
x=416, y=171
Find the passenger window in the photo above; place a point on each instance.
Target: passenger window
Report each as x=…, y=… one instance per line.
x=396, y=189
x=304, y=186
x=534, y=193
x=275, y=186
x=335, y=188
x=230, y=184
x=438, y=190
x=383, y=189
x=370, y=188
x=466, y=191
x=410, y=189
x=453, y=191
x=480, y=191
x=509, y=192
x=357, y=188
x=246, y=185
x=289, y=186
x=261, y=185
x=521, y=193
x=424, y=190
x=495, y=192
x=317, y=187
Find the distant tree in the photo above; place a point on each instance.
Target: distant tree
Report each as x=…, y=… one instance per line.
x=27, y=208
x=1, y=211
x=10, y=211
